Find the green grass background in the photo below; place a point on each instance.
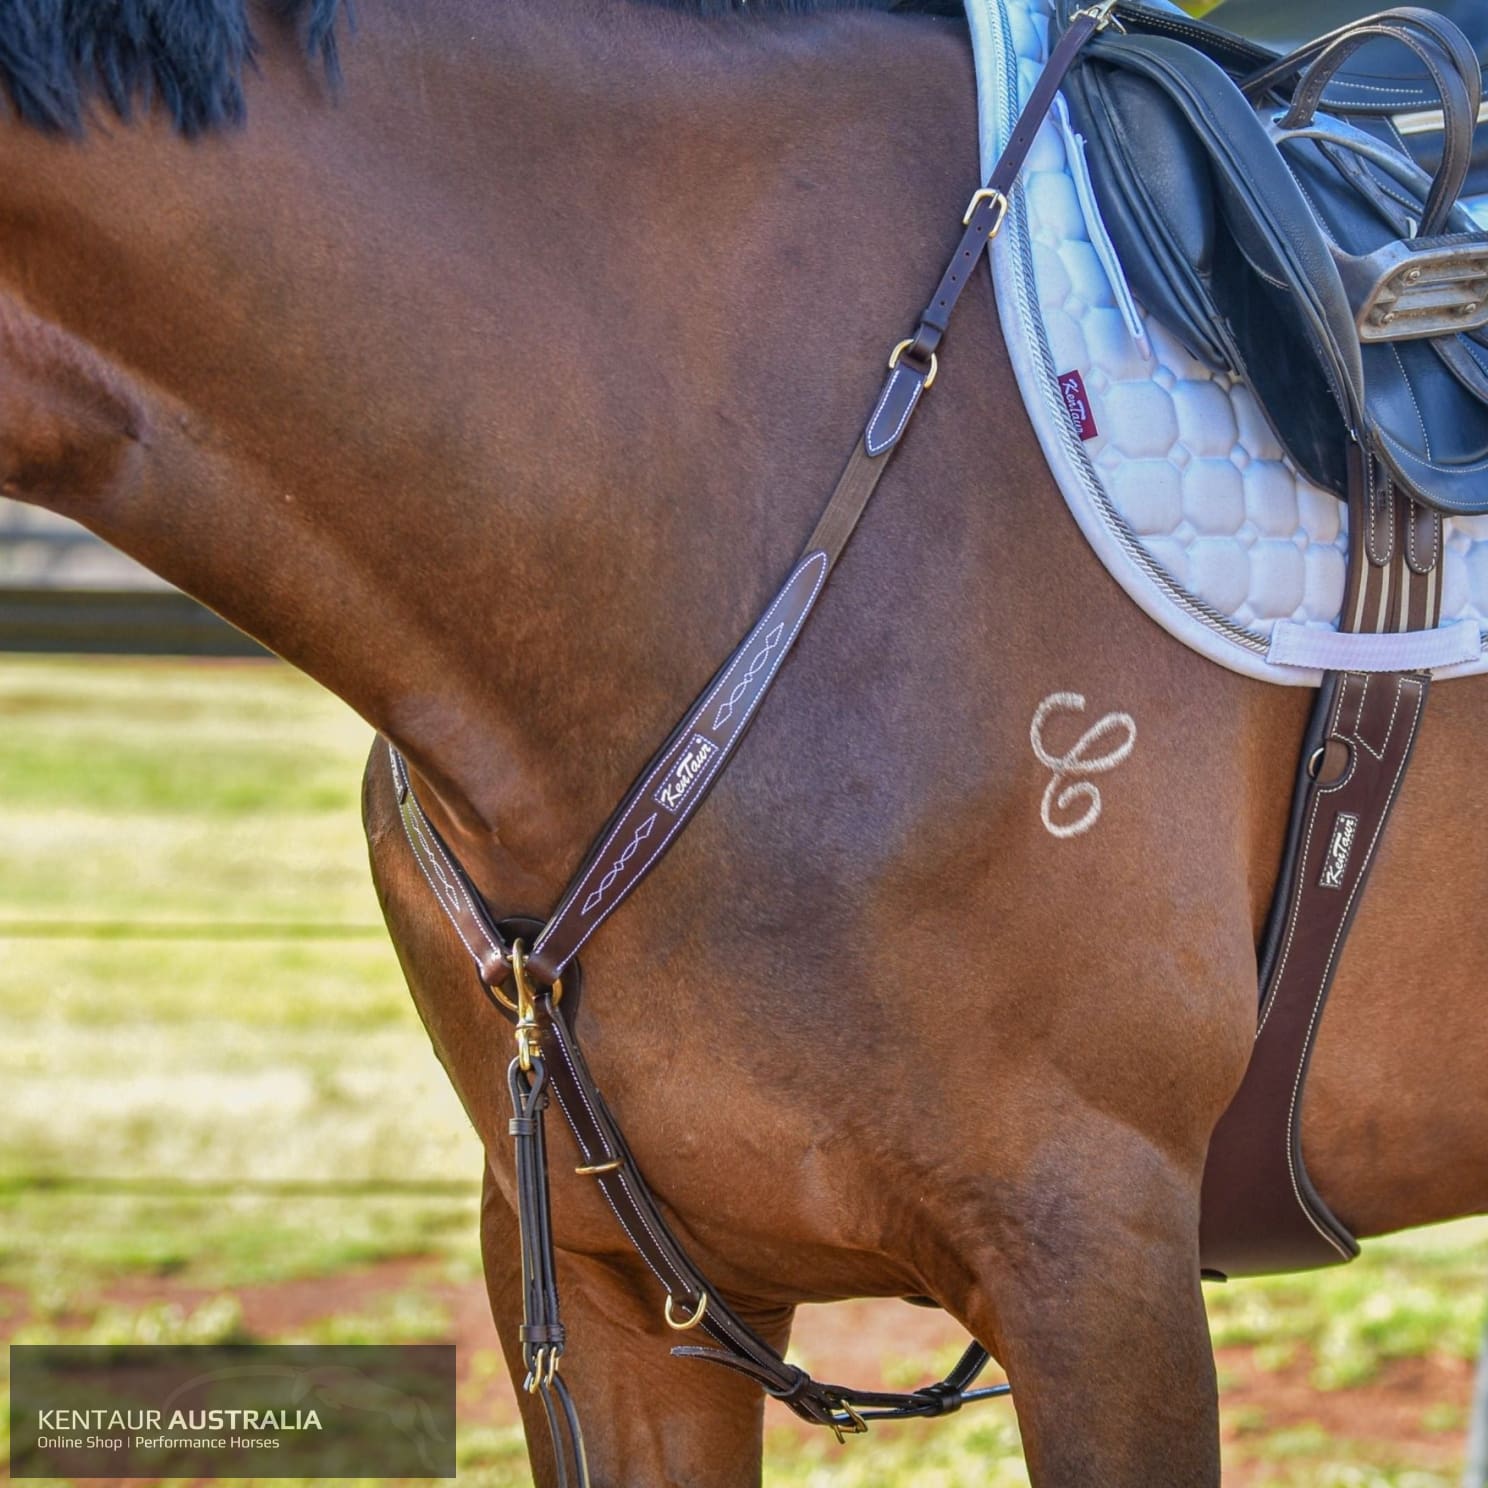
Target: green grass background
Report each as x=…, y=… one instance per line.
x=195, y=989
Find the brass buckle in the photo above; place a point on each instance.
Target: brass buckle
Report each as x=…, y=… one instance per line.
x=687, y=1324
x=987, y=194
x=855, y=1425
x=904, y=346
x=529, y=1046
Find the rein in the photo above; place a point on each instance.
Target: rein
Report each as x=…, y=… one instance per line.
x=657, y=807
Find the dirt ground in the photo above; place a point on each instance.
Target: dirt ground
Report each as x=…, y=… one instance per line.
x=849, y=1340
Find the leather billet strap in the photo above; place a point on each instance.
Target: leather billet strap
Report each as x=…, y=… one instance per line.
x=1395, y=555
x=661, y=802
x=989, y=205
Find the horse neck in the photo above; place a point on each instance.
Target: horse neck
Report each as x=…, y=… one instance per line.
x=498, y=395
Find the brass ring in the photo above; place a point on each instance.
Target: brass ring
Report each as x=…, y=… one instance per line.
x=904, y=346
x=691, y=1322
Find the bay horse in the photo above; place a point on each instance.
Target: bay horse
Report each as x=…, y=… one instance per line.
x=495, y=389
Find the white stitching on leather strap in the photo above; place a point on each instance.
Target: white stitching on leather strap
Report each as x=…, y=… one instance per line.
x=1412, y=555
x=459, y=884
x=909, y=407
x=1312, y=817
x=434, y=889
x=1395, y=91
x=1292, y=1136
x=682, y=1282
x=454, y=883
x=1358, y=736
x=1322, y=223
x=562, y=1047
x=1374, y=506
x=1425, y=437
x=588, y=1156
x=723, y=753
x=437, y=855
x=692, y=718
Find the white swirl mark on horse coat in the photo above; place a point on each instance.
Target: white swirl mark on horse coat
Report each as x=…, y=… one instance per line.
x=1061, y=793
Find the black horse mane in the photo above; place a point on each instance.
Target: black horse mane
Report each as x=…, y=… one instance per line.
x=58, y=56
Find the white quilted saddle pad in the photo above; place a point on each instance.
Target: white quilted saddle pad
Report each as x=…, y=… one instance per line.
x=1170, y=470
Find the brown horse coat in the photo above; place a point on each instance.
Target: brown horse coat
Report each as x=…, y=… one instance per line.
x=497, y=396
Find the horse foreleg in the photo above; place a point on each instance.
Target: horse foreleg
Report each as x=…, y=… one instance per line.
x=649, y=1420
x=1089, y=1289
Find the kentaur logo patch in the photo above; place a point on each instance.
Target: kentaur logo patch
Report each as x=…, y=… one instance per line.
x=1340, y=846
x=684, y=774
x=1082, y=416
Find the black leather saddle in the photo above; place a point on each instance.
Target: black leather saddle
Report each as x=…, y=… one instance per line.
x=1280, y=227
x=1382, y=75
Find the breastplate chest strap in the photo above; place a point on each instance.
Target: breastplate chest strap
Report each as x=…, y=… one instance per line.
x=654, y=811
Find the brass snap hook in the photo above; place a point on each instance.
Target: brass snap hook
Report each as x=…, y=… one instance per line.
x=517, y=959
x=529, y=1045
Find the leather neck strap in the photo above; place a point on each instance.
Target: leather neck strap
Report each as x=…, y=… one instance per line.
x=654, y=811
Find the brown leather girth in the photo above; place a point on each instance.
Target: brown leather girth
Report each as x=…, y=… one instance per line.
x=1260, y=1212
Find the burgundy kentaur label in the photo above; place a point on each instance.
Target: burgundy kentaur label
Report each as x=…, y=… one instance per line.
x=1072, y=387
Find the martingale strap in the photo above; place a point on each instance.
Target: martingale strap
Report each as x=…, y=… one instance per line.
x=654, y=811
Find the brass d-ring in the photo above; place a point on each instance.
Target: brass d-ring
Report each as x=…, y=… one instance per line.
x=904, y=346
x=689, y=1323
